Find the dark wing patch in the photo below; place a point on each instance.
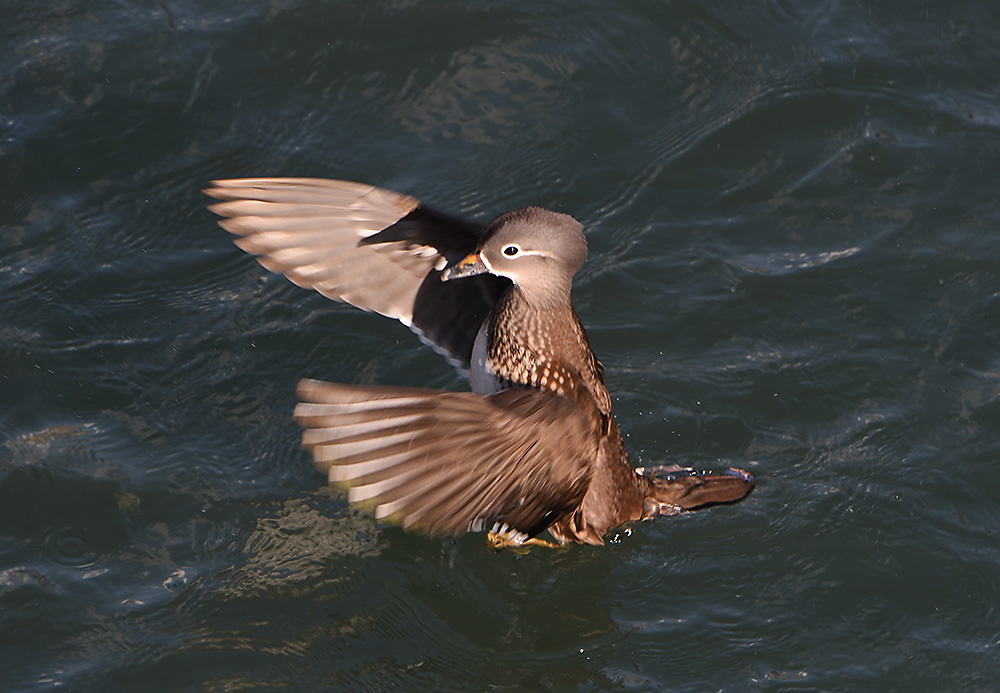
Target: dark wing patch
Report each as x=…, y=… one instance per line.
x=374, y=248
x=424, y=226
x=450, y=462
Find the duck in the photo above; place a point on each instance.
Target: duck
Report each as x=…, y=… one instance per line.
x=533, y=448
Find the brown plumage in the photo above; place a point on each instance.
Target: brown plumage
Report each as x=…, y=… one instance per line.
x=535, y=447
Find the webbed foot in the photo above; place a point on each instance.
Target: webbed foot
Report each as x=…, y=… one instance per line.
x=504, y=537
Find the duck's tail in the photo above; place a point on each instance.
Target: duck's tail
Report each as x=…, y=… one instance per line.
x=675, y=490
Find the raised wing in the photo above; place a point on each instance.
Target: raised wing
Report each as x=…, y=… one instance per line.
x=374, y=248
x=450, y=462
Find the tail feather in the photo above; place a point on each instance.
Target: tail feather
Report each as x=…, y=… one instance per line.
x=671, y=496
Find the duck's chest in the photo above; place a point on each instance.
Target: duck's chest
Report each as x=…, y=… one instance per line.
x=536, y=350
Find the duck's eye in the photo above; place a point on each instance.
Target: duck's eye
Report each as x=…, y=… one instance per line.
x=511, y=250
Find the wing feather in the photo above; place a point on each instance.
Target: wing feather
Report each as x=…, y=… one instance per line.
x=444, y=462
x=376, y=249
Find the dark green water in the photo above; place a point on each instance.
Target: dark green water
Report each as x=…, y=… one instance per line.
x=793, y=216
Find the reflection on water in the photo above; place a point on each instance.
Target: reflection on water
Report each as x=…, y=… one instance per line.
x=299, y=545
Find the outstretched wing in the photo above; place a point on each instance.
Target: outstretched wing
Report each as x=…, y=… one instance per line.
x=450, y=462
x=374, y=248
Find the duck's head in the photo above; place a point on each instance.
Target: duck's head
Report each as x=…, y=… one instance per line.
x=538, y=250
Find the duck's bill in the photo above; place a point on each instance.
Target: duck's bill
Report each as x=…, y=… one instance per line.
x=469, y=266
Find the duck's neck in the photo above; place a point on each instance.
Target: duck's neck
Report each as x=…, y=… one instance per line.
x=550, y=293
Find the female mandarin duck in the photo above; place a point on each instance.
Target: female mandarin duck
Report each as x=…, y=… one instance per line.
x=534, y=447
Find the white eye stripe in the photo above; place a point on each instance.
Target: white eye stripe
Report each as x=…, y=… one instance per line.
x=518, y=251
